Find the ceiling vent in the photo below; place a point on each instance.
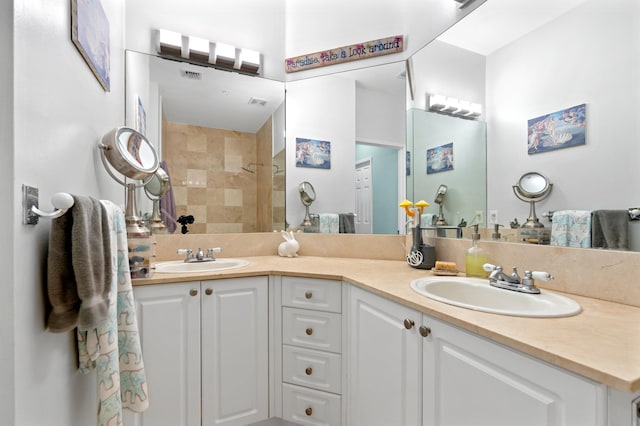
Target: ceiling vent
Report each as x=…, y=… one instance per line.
x=191, y=75
x=257, y=101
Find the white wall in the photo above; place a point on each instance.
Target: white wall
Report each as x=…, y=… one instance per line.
x=61, y=113
x=256, y=25
x=322, y=108
x=380, y=117
x=315, y=26
x=7, y=332
x=587, y=56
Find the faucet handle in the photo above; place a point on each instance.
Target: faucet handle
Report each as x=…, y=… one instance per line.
x=184, y=251
x=540, y=275
x=490, y=267
x=212, y=250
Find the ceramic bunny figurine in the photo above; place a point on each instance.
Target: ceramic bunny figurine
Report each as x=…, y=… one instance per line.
x=290, y=247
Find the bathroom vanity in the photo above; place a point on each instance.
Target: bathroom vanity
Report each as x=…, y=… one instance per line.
x=334, y=341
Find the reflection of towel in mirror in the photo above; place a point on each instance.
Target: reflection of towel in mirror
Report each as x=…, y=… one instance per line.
x=571, y=228
x=168, y=204
x=78, y=266
x=610, y=229
x=347, y=223
x=329, y=223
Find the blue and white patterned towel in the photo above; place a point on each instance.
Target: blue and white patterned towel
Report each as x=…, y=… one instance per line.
x=571, y=228
x=113, y=348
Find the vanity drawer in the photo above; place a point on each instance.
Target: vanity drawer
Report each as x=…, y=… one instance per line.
x=310, y=293
x=312, y=329
x=310, y=407
x=314, y=369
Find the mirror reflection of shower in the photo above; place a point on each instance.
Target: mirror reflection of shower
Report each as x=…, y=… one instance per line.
x=440, y=193
x=248, y=168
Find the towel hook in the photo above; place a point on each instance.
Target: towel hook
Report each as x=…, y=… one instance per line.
x=61, y=201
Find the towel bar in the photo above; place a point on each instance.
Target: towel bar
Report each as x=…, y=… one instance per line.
x=62, y=202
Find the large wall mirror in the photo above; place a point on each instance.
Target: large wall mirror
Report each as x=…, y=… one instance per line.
x=361, y=115
x=536, y=72
x=221, y=136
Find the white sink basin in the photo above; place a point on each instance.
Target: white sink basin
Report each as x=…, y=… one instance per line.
x=180, y=267
x=477, y=294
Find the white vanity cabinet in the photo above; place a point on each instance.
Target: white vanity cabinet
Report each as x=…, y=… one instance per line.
x=312, y=336
x=206, y=352
x=408, y=368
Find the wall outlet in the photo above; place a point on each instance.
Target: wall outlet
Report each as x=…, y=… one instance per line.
x=493, y=217
x=478, y=217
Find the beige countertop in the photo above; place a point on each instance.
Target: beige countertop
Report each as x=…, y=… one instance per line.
x=601, y=343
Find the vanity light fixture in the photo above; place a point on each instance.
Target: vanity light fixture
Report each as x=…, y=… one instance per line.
x=225, y=55
x=249, y=61
x=454, y=106
x=198, y=49
x=204, y=52
x=170, y=43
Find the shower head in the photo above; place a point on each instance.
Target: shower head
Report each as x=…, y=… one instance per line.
x=249, y=169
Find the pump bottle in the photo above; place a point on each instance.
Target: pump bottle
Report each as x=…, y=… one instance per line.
x=476, y=257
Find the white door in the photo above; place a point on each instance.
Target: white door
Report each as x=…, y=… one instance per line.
x=169, y=322
x=235, y=351
x=385, y=383
x=469, y=380
x=363, y=197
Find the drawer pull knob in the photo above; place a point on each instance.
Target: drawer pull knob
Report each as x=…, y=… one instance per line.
x=408, y=324
x=308, y=411
x=308, y=371
x=308, y=295
x=193, y=292
x=309, y=331
x=424, y=331
x=209, y=291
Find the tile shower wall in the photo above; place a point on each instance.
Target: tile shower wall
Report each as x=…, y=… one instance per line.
x=209, y=182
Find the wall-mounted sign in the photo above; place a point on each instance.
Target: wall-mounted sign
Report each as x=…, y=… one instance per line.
x=355, y=52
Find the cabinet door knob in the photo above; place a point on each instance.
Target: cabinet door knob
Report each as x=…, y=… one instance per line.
x=193, y=292
x=424, y=331
x=308, y=295
x=308, y=411
x=308, y=371
x=309, y=331
x=408, y=324
x=209, y=291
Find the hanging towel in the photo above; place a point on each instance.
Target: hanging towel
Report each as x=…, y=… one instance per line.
x=346, y=223
x=79, y=273
x=329, y=223
x=610, y=229
x=113, y=347
x=571, y=228
x=168, y=204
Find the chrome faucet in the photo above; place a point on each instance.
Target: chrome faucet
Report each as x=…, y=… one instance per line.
x=199, y=256
x=499, y=279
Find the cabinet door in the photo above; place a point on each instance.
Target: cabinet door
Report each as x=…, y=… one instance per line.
x=469, y=380
x=384, y=362
x=169, y=322
x=235, y=351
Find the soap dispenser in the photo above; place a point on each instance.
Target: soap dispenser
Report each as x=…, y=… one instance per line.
x=476, y=257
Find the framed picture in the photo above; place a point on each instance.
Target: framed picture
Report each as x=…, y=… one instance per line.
x=557, y=130
x=313, y=153
x=141, y=117
x=90, y=35
x=440, y=158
